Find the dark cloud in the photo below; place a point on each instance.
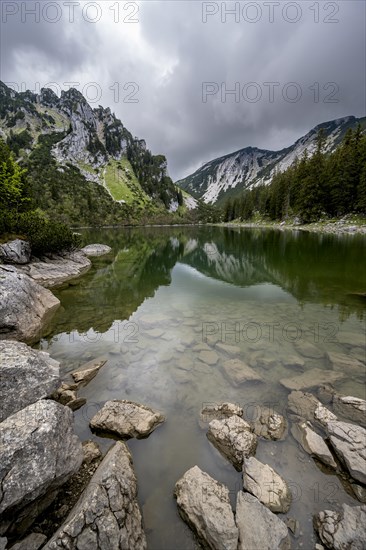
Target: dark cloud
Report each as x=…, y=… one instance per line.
x=171, y=52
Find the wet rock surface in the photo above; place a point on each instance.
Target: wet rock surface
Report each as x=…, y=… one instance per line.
x=126, y=419
x=26, y=376
x=348, y=441
x=313, y=443
x=218, y=412
x=204, y=505
x=107, y=515
x=269, y=424
x=311, y=378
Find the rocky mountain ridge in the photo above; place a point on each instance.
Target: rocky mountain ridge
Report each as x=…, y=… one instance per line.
x=94, y=141
x=227, y=176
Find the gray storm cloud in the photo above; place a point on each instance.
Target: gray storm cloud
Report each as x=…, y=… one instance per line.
x=196, y=79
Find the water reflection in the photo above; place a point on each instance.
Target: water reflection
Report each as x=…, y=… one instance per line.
x=325, y=269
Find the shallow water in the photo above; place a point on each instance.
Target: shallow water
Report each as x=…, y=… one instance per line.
x=164, y=296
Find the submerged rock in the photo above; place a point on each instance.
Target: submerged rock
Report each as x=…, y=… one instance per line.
x=352, y=408
x=233, y=438
x=39, y=453
x=230, y=350
x=348, y=441
x=269, y=424
x=312, y=443
x=126, y=419
x=107, y=515
x=258, y=527
x=239, y=372
x=26, y=375
x=58, y=270
x=15, y=252
x=311, y=378
x=265, y=484
x=342, y=530
x=345, y=363
x=93, y=250
x=204, y=505
x=25, y=307
x=307, y=349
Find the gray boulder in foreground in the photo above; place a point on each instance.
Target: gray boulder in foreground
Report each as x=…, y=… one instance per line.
x=259, y=528
x=39, y=452
x=267, y=485
x=233, y=438
x=93, y=250
x=26, y=375
x=107, y=515
x=54, y=272
x=15, y=252
x=313, y=443
x=204, y=505
x=342, y=530
x=126, y=419
x=25, y=307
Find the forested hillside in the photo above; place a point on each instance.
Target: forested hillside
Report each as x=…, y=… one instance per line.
x=324, y=184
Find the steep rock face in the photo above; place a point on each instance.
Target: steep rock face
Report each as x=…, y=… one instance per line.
x=92, y=140
x=25, y=306
x=26, y=376
x=39, y=453
x=251, y=166
x=107, y=515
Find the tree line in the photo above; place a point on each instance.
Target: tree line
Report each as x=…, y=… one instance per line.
x=316, y=186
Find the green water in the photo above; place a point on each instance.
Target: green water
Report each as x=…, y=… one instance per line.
x=165, y=295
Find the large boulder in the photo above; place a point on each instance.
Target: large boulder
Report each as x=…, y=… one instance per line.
x=25, y=307
x=267, y=485
x=233, y=438
x=39, y=452
x=54, y=272
x=26, y=376
x=342, y=530
x=94, y=250
x=348, y=441
x=15, y=252
x=107, y=515
x=204, y=505
x=258, y=527
x=126, y=419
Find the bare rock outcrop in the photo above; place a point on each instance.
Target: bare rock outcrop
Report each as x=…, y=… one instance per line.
x=341, y=530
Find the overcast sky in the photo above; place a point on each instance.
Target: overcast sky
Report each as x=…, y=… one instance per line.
x=164, y=66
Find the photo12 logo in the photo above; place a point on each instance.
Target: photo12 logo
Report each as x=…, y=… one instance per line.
x=269, y=12
x=53, y=12
x=253, y=92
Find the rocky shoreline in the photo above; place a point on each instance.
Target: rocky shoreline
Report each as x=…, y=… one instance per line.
x=336, y=228
x=58, y=492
